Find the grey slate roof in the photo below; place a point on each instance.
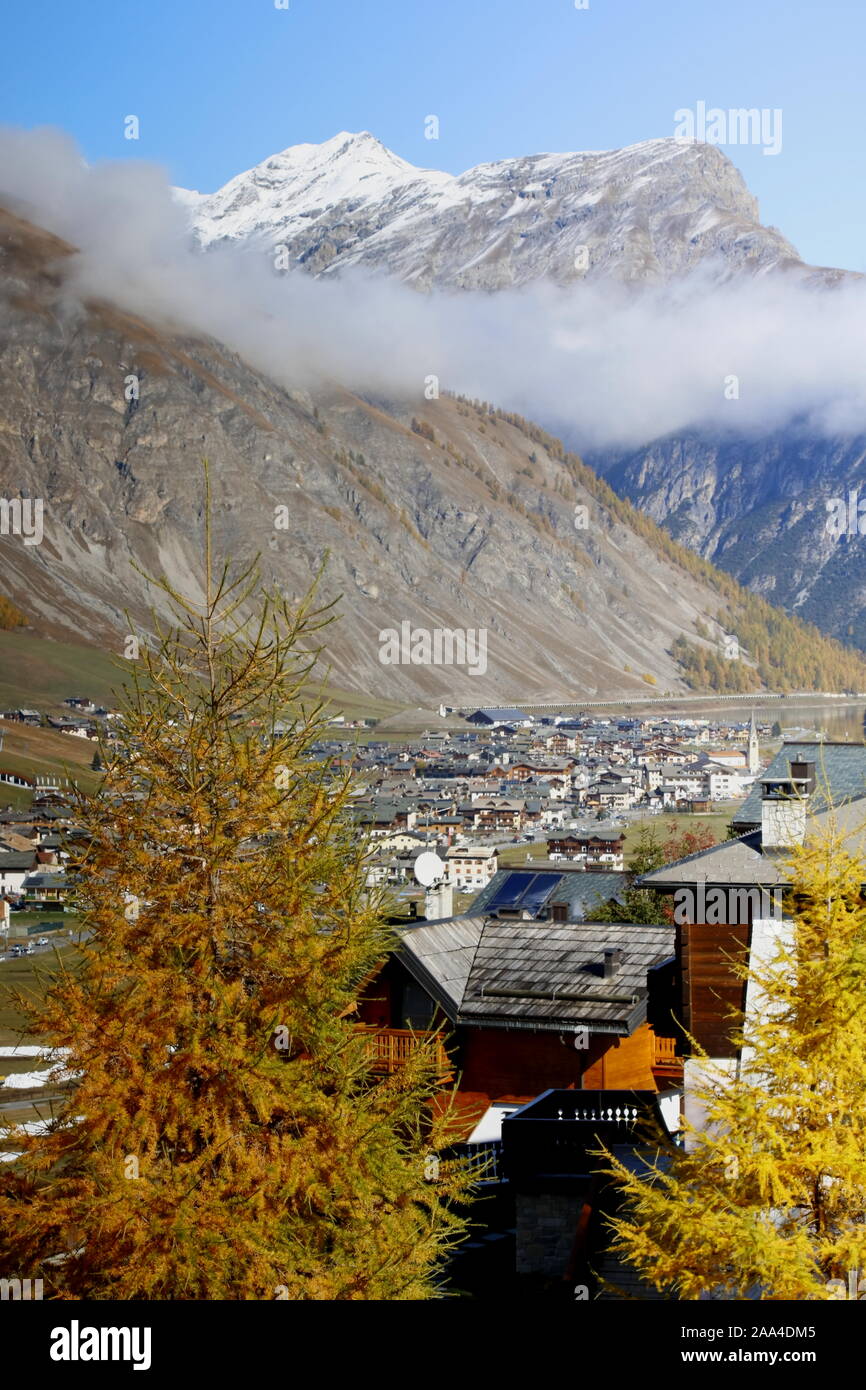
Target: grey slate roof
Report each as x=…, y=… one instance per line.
x=440, y=955
x=583, y=892
x=744, y=861
x=46, y=880
x=531, y=975
x=480, y=903
x=840, y=770
x=499, y=714
x=16, y=860
x=608, y=836
x=733, y=861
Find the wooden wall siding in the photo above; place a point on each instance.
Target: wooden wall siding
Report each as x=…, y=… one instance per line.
x=710, y=986
x=516, y=1064
x=626, y=1064
x=505, y=1063
x=377, y=1004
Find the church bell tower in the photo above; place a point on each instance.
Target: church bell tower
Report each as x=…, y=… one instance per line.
x=754, y=751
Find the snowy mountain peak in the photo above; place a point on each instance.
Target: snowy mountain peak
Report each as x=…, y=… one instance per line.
x=358, y=149
x=645, y=212
x=302, y=185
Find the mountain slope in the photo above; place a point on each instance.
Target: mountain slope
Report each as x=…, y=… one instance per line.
x=758, y=508
x=442, y=514
x=648, y=212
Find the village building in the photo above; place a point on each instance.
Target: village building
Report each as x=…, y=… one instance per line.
x=469, y=868
x=523, y=997
x=729, y=901
x=595, y=849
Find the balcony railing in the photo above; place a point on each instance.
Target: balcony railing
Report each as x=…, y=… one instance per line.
x=484, y=1159
x=665, y=1053
x=561, y=1132
x=391, y=1048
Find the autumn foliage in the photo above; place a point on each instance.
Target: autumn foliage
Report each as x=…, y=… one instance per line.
x=766, y=1198
x=227, y=1137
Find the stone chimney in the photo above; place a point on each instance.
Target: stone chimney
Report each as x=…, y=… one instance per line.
x=783, y=806
x=439, y=901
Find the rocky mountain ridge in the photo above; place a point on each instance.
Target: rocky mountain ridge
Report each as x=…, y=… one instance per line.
x=649, y=212
x=441, y=514
x=764, y=510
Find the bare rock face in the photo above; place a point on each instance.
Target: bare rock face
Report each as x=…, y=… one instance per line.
x=646, y=213
x=432, y=513
x=763, y=510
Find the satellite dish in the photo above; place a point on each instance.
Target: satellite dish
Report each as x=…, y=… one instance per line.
x=428, y=868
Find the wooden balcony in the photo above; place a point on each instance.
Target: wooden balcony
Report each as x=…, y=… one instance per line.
x=392, y=1047
x=665, y=1060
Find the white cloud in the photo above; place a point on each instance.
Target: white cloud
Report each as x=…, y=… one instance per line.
x=607, y=365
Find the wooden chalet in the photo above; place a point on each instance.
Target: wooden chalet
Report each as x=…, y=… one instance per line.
x=522, y=1000
x=726, y=889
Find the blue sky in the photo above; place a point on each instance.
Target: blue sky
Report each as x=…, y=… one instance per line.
x=218, y=85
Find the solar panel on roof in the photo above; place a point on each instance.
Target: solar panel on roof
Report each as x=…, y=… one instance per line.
x=508, y=893
x=538, y=890
x=522, y=891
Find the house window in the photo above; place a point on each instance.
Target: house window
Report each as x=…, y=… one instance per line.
x=417, y=1007
x=559, y=912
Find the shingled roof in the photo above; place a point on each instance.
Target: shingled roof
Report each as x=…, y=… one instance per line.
x=582, y=893
x=734, y=861
x=525, y=974
x=548, y=881
x=16, y=860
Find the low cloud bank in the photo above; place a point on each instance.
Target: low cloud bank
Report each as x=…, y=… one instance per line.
x=609, y=366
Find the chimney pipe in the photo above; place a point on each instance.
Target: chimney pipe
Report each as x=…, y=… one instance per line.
x=612, y=961
x=804, y=771
x=439, y=901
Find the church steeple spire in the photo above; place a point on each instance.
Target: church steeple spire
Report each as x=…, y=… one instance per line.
x=754, y=750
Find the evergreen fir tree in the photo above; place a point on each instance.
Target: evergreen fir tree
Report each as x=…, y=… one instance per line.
x=227, y=1138
x=638, y=904
x=648, y=905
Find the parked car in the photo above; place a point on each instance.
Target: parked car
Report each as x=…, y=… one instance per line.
x=16, y=950
x=43, y=941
